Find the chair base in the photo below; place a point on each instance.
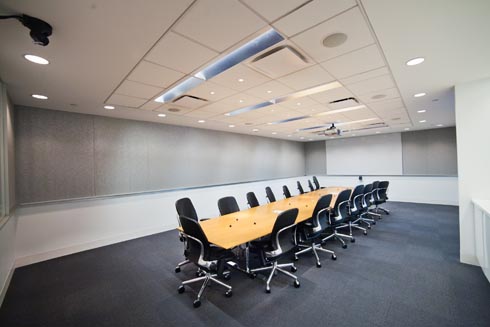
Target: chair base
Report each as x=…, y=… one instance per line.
x=353, y=224
x=207, y=278
x=277, y=268
x=339, y=237
x=314, y=248
x=378, y=208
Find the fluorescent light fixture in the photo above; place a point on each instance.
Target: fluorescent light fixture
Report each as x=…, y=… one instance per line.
x=39, y=96
x=418, y=95
x=201, y=121
x=109, y=107
x=162, y=115
x=288, y=120
x=415, y=61
x=36, y=59
x=421, y=111
x=235, y=57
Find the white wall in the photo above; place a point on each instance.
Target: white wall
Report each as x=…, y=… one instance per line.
x=472, y=119
x=7, y=250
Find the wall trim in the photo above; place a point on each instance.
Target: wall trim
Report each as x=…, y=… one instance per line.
x=43, y=256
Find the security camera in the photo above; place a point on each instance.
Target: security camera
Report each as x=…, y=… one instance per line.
x=40, y=30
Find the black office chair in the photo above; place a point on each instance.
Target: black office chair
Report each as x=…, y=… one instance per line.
x=252, y=200
x=270, y=195
x=368, y=202
x=279, y=243
x=317, y=183
x=310, y=185
x=311, y=231
x=285, y=191
x=227, y=205
x=210, y=259
x=358, y=210
x=354, y=219
x=338, y=217
x=381, y=196
x=300, y=188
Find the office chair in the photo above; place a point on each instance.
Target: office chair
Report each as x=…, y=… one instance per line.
x=210, y=259
x=252, y=200
x=310, y=185
x=354, y=211
x=317, y=183
x=285, y=191
x=381, y=196
x=338, y=217
x=368, y=202
x=300, y=188
x=311, y=231
x=270, y=195
x=279, y=244
x=358, y=209
x=227, y=205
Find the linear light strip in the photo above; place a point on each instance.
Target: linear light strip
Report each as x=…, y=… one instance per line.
x=235, y=57
x=331, y=112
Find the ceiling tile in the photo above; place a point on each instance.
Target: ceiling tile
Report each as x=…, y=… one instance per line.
x=273, y=9
x=364, y=76
x=387, y=104
x=311, y=14
x=276, y=90
x=300, y=103
x=280, y=61
x=351, y=23
x=372, y=85
x=200, y=114
x=124, y=100
x=231, y=78
x=151, y=105
x=355, y=62
x=375, y=96
x=360, y=114
x=211, y=91
x=241, y=100
x=306, y=78
x=219, y=24
x=217, y=107
x=152, y=74
x=179, y=53
x=138, y=90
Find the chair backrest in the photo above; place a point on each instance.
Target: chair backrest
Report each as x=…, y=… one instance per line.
x=185, y=208
x=383, y=190
x=197, y=245
x=317, y=184
x=356, y=198
x=375, y=196
x=227, y=205
x=269, y=194
x=286, y=192
x=310, y=185
x=300, y=188
x=252, y=200
x=366, y=199
x=282, y=234
x=341, y=208
x=321, y=212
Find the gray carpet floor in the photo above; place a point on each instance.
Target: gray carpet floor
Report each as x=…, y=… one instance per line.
x=404, y=273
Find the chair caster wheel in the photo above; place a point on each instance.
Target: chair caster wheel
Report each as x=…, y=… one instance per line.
x=353, y=240
x=196, y=304
x=296, y=284
x=369, y=227
x=295, y=258
x=344, y=246
x=181, y=289
x=229, y=293
x=227, y=276
x=199, y=273
x=267, y=290
x=177, y=269
x=181, y=239
x=365, y=232
x=334, y=257
x=294, y=269
x=374, y=223
x=252, y=275
x=318, y=265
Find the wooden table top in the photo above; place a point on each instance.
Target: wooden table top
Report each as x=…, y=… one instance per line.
x=244, y=226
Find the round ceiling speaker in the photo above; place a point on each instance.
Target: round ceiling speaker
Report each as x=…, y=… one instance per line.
x=334, y=40
x=173, y=109
x=378, y=96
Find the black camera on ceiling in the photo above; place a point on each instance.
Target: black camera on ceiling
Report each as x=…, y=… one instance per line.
x=39, y=29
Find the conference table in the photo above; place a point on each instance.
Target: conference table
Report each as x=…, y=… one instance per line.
x=234, y=229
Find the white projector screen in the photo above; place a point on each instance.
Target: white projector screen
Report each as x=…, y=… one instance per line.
x=373, y=155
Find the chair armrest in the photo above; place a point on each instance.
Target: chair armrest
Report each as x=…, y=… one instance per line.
x=204, y=219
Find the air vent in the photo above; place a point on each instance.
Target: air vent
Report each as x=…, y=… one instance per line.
x=343, y=103
x=190, y=102
x=279, y=61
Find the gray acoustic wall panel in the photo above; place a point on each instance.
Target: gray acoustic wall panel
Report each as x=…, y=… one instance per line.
x=430, y=152
x=64, y=155
x=315, y=158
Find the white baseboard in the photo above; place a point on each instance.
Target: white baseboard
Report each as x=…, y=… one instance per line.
x=6, y=284
x=27, y=260
x=469, y=259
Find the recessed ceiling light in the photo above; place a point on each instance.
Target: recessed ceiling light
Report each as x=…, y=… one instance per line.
x=415, y=61
x=162, y=115
x=241, y=101
x=36, y=59
x=227, y=114
x=310, y=139
x=39, y=96
x=406, y=128
x=439, y=125
x=353, y=134
x=109, y=107
x=378, y=132
x=418, y=95
x=378, y=96
x=269, y=92
x=422, y=121
x=212, y=92
x=302, y=138
x=421, y=111
x=255, y=130
x=241, y=80
x=201, y=121
x=334, y=40
x=298, y=104
x=274, y=133
x=231, y=126
x=289, y=135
